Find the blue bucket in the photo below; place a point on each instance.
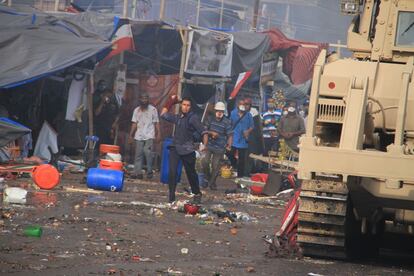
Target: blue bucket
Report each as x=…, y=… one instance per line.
x=106, y=180
x=165, y=163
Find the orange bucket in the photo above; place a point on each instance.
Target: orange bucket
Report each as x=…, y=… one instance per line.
x=104, y=148
x=45, y=176
x=110, y=165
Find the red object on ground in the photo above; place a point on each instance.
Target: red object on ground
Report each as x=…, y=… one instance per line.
x=110, y=165
x=191, y=209
x=259, y=177
x=104, y=148
x=290, y=220
x=45, y=176
x=256, y=190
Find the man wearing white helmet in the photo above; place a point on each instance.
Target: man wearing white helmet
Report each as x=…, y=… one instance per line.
x=220, y=138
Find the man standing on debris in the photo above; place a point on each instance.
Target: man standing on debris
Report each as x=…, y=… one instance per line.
x=242, y=122
x=220, y=133
x=187, y=126
x=145, y=124
x=291, y=127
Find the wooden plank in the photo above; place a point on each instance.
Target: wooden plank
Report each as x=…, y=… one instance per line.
x=81, y=190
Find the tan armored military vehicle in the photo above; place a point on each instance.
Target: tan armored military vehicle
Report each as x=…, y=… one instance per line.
x=356, y=158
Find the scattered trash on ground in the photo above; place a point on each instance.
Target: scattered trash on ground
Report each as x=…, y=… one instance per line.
x=33, y=231
x=14, y=195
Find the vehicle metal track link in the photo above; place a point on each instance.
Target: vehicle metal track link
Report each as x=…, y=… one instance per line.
x=322, y=218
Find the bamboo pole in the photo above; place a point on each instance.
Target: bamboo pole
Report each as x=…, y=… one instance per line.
x=184, y=38
x=221, y=14
x=162, y=9
x=90, y=106
x=255, y=14
x=198, y=12
x=125, y=10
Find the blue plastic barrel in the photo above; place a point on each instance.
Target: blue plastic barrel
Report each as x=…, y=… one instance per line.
x=106, y=180
x=165, y=157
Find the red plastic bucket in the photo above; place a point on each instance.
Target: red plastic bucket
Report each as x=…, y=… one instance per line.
x=45, y=176
x=105, y=148
x=259, y=177
x=110, y=165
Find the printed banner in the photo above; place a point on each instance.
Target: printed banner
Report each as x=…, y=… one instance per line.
x=209, y=53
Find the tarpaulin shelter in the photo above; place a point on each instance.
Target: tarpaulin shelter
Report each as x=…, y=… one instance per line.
x=299, y=57
x=33, y=45
x=248, y=50
x=158, y=48
x=10, y=131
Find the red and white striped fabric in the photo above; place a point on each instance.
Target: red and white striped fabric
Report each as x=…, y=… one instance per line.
x=123, y=40
x=239, y=83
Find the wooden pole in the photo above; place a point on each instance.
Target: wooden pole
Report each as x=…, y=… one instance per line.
x=221, y=14
x=125, y=10
x=134, y=9
x=90, y=106
x=56, y=5
x=184, y=37
x=255, y=14
x=9, y=3
x=162, y=9
x=198, y=12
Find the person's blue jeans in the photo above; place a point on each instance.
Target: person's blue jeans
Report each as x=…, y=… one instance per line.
x=143, y=147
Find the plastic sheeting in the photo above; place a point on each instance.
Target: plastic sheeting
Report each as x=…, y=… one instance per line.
x=248, y=50
x=30, y=50
x=298, y=61
x=10, y=131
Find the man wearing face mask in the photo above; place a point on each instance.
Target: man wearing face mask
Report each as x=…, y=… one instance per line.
x=270, y=120
x=145, y=127
x=220, y=136
x=291, y=127
x=242, y=122
x=106, y=110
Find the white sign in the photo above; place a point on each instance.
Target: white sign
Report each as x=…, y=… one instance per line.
x=209, y=53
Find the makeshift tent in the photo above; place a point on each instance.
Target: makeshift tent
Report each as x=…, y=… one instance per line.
x=30, y=49
x=10, y=131
x=299, y=57
x=158, y=49
x=248, y=50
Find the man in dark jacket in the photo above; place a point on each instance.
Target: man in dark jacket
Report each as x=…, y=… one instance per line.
x=182, y=148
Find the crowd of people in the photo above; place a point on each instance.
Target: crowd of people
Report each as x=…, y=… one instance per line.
x=219, y=137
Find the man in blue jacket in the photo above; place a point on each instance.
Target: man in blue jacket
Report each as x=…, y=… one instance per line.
x=242, y=122
x=187, y=124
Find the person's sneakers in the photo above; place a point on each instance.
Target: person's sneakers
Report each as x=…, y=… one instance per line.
x=197, y=198
x=150, y=175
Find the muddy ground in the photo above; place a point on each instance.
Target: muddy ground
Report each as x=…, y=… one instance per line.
x=103, y=234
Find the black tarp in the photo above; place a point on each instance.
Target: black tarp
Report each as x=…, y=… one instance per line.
x=30, y=50
x=157, y=51
x=248, y=50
